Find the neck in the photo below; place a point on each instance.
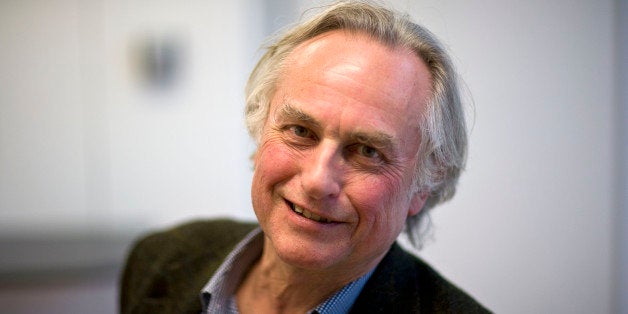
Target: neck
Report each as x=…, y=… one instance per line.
x=273, y=286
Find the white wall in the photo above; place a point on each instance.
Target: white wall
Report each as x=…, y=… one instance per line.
x=42, y=166
x=180, y=153
x=85, y=148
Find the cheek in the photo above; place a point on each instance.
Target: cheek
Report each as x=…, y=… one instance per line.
x=381, y=204
x=274, y=163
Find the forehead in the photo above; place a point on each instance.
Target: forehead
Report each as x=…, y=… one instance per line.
x=394, y=75
x=354, y=77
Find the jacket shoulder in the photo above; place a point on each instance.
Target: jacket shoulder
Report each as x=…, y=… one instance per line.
x=403, y=283
x=166, y=270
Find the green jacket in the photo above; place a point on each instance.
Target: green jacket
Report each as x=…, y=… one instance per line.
x=166, y=271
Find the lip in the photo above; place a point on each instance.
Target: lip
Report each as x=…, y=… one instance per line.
x=309, y=215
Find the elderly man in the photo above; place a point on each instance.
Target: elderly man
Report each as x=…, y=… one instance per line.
x=360, y=131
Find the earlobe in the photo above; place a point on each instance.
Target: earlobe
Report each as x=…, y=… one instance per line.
x=417, y=202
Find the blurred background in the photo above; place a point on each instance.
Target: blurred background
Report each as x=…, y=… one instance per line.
x=122, y=116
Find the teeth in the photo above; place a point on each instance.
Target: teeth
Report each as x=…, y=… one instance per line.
x=308, y=214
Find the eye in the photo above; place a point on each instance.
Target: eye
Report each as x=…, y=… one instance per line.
x=366, y=157
x=300, y=131
x=368, y=152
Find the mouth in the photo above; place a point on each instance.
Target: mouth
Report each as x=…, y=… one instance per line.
x=307, y=214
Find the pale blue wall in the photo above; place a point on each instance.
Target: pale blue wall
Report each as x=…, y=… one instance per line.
x=621, y=265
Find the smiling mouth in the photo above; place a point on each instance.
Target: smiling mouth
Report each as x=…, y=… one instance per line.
x=307, y=214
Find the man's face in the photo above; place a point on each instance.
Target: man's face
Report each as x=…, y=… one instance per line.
x=332, y=186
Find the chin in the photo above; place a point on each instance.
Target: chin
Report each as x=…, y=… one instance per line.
x=311, y=256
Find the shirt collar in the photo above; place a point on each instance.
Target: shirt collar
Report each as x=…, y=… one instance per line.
x=216, y=296
x=341, y=301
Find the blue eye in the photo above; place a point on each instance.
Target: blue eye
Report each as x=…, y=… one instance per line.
x=368, y=151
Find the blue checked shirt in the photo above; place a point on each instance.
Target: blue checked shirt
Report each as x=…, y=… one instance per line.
x=218, y=295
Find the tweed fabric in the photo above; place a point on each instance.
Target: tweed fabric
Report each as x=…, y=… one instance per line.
x=166, y=271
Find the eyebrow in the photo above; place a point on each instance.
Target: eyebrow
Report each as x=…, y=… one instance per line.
x=289, y=112
x=376, y=139
x=379, y=140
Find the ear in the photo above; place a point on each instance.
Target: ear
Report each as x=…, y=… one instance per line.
x=417, y=202
x=253, y=159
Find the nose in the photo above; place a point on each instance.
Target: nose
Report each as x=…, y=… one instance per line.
x=321, y=172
